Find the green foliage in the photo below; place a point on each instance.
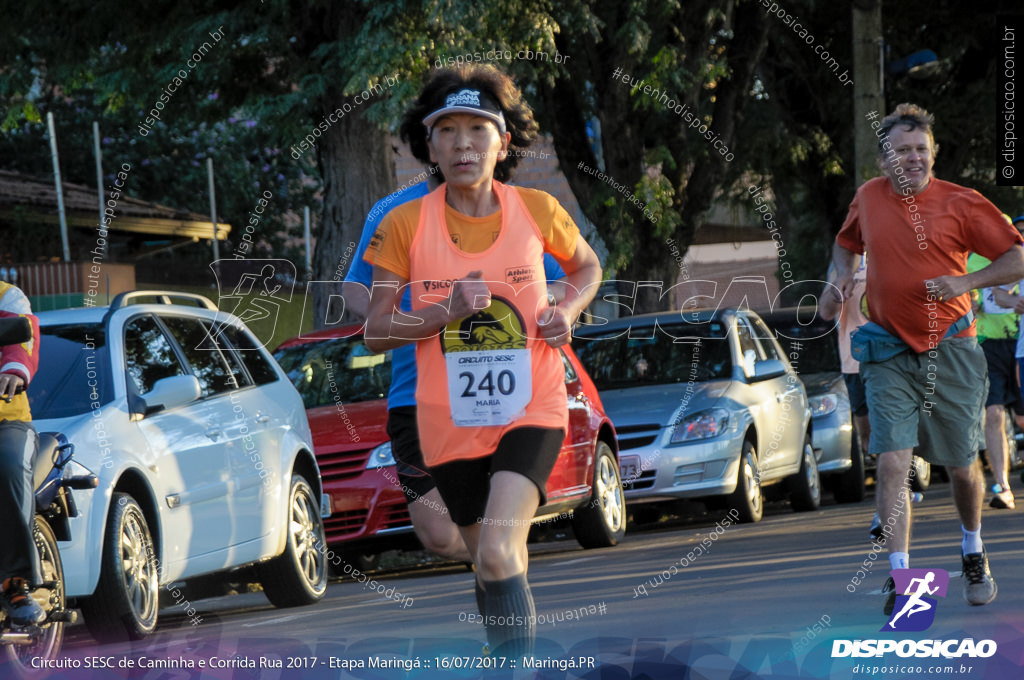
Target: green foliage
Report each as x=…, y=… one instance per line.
x=282, y=61
x=168, y=166
x=798, y=131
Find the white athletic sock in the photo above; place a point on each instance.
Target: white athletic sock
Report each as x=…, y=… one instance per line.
x=972, y=541
x=899, y=560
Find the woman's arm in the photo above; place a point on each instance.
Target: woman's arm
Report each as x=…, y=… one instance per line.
x=583, y=275
x=388, y=328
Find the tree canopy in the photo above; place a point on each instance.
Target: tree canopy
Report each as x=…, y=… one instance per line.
x=677, y=105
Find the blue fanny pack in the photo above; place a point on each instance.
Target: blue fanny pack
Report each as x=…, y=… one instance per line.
x=871, y=343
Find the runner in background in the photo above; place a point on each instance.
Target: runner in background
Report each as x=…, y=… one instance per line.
x=1016, y=302
x=851, y=313
x=997, y=334
x=923, y=371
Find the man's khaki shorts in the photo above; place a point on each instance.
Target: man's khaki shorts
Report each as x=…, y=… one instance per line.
x=934, y=400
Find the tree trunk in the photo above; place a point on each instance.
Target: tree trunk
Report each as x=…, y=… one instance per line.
x=357, y=165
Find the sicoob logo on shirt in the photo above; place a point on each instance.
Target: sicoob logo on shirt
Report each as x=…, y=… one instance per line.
x=498, y=327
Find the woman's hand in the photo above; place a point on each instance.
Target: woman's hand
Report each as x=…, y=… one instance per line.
x=555, y=326
x=469, y=295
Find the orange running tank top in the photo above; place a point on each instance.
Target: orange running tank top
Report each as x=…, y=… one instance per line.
x=491, y=372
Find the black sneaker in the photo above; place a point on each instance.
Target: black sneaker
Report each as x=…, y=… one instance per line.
x=889, y=590
x=18, y=603
x=979, y=586
x=876, y=530
x=1002, y=498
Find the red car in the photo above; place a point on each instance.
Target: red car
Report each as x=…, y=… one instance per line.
x=344, y=387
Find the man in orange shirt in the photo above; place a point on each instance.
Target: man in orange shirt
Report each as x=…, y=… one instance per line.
x=931, y=391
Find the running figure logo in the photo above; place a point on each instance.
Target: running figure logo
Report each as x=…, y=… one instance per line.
x=914, y=611
x=255, y=291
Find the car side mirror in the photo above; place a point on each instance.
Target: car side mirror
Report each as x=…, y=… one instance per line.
x=769, y=368
x=171, y=392
x=749, y=363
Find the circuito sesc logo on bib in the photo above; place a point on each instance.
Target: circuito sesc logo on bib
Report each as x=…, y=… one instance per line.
x=498, y=327
x=490, y=375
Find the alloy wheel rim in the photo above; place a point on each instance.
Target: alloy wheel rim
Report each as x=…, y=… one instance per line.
x=139, y=570
x=753, y=485
x=609, y=494
x=304, y=538
x=813, y=482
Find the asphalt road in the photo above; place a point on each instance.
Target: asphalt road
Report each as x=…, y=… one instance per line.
x=765, y=600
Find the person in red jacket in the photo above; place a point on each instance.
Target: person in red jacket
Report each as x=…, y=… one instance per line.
x=19, y=562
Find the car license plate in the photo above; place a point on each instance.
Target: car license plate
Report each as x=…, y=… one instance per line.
x=629, y=468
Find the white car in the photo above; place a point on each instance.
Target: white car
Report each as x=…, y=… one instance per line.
x=202, y=449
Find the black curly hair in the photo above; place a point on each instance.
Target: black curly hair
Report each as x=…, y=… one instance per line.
x=519, y=121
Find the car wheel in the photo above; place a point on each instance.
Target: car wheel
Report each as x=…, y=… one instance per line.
x=805, y=485
x=849, y=486
x=298, y=576
x=748, y=498
x=23, y=660
x=126, y=601
x=922, y=477
x=601, y=523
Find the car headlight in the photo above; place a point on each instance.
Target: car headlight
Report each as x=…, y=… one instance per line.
x=703, y=425
x=380, y=457
x=822, y=404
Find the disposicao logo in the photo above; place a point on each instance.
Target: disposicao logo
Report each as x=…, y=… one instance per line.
x=914, y=611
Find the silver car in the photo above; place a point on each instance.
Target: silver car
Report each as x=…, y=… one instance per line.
x=815, y=341
x=706, y=405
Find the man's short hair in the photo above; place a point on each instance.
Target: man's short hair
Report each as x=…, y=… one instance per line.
x=911, y=117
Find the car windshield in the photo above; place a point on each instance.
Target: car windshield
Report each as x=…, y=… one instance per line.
x=74, y=372
x=815, y=346
x=619, y=361
x=342, y=370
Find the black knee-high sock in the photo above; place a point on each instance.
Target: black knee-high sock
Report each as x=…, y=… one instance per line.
x=511, y=619
x=481, y=597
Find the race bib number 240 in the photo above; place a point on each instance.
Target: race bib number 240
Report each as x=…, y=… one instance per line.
x=488, y=387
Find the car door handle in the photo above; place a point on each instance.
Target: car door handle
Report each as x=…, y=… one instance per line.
x=261, y=418
x=214, y=433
